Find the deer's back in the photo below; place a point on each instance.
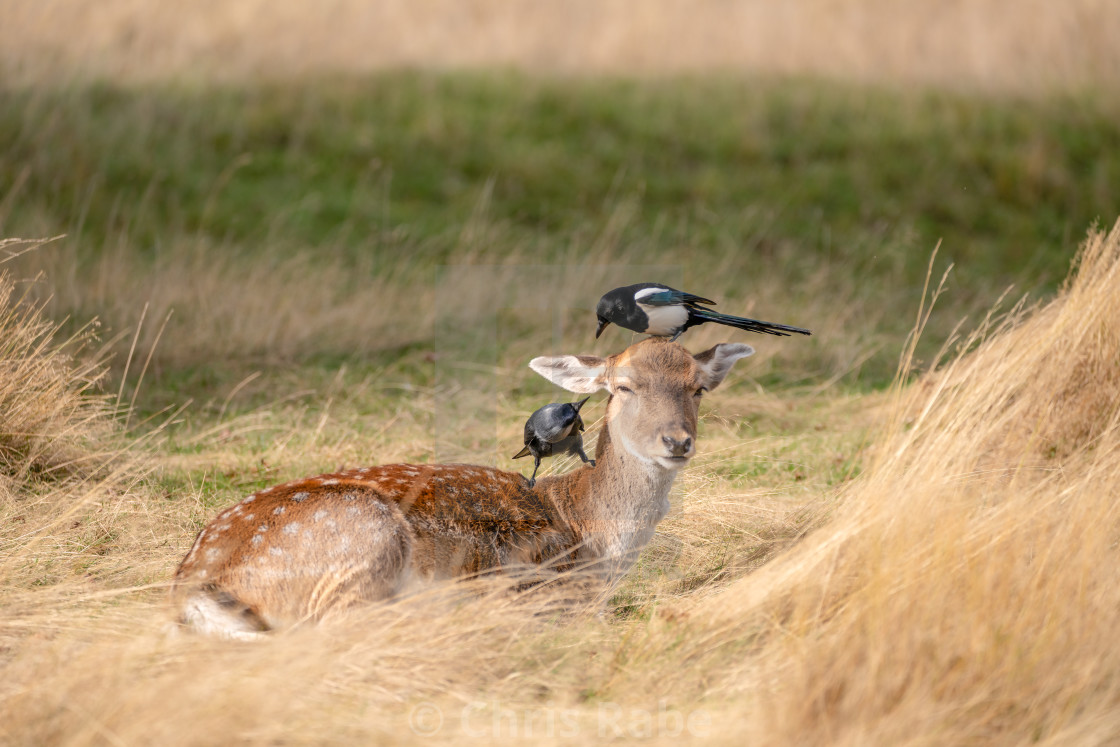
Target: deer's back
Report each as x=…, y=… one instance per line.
x=291, y=549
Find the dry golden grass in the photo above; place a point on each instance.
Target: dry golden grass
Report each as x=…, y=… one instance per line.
x=50, y=415
x=295, y=304
x=965, y=593
x=1025, y=45
x=960, y=591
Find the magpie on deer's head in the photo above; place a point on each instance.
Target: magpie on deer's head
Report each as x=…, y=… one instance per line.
x=658, y=310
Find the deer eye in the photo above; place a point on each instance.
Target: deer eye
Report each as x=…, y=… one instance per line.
x=700, y=392
x=623, y=389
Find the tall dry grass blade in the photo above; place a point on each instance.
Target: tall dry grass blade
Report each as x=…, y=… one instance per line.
x=131, y=352
x=144, y=369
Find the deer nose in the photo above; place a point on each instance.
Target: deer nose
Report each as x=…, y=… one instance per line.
x=678, y=446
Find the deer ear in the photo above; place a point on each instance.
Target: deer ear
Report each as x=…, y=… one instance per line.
x=717, y=362
x=583, y=374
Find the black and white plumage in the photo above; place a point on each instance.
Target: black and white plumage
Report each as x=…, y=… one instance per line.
x=661, y=311
x=554, y=429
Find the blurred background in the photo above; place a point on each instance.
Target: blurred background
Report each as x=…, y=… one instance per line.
x=1000, y=45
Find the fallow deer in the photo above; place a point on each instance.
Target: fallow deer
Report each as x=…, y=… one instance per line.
x=315, y=546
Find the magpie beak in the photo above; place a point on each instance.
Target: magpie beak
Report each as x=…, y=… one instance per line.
x=602, y=325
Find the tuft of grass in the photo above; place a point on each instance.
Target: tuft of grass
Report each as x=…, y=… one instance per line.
x=68, y=517
x=52, y=411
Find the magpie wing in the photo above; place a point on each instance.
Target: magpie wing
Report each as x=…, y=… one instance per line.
x=670, y=297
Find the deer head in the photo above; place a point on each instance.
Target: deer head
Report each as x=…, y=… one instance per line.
x=655, y=387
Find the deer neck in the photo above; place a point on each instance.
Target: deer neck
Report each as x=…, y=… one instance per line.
x=614, y=506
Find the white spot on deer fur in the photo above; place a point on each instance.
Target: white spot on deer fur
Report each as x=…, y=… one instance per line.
x=291, y=527
x=278, y=510
x=320, y=515
x=257, y=539
x=262, y=528
x=301, y=496
x=268, y=489
x=213, y=554
x=329, y=482
x=275, y=552
x=353, y=511
x=250, y=517
x=237, y=509
x=202, y=573
x=224, y=528
x=250, y=499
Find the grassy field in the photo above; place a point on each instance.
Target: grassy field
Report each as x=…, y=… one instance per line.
x=800, y=199
x=355, y=269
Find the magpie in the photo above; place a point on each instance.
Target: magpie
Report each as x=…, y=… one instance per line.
x=554, y=429
x=658, y=310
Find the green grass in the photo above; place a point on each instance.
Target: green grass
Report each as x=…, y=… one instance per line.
x=364, y=166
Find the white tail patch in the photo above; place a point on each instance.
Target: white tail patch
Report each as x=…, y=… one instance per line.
x=208, y=616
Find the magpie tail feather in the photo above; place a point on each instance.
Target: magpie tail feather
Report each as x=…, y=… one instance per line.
x=750, y=325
